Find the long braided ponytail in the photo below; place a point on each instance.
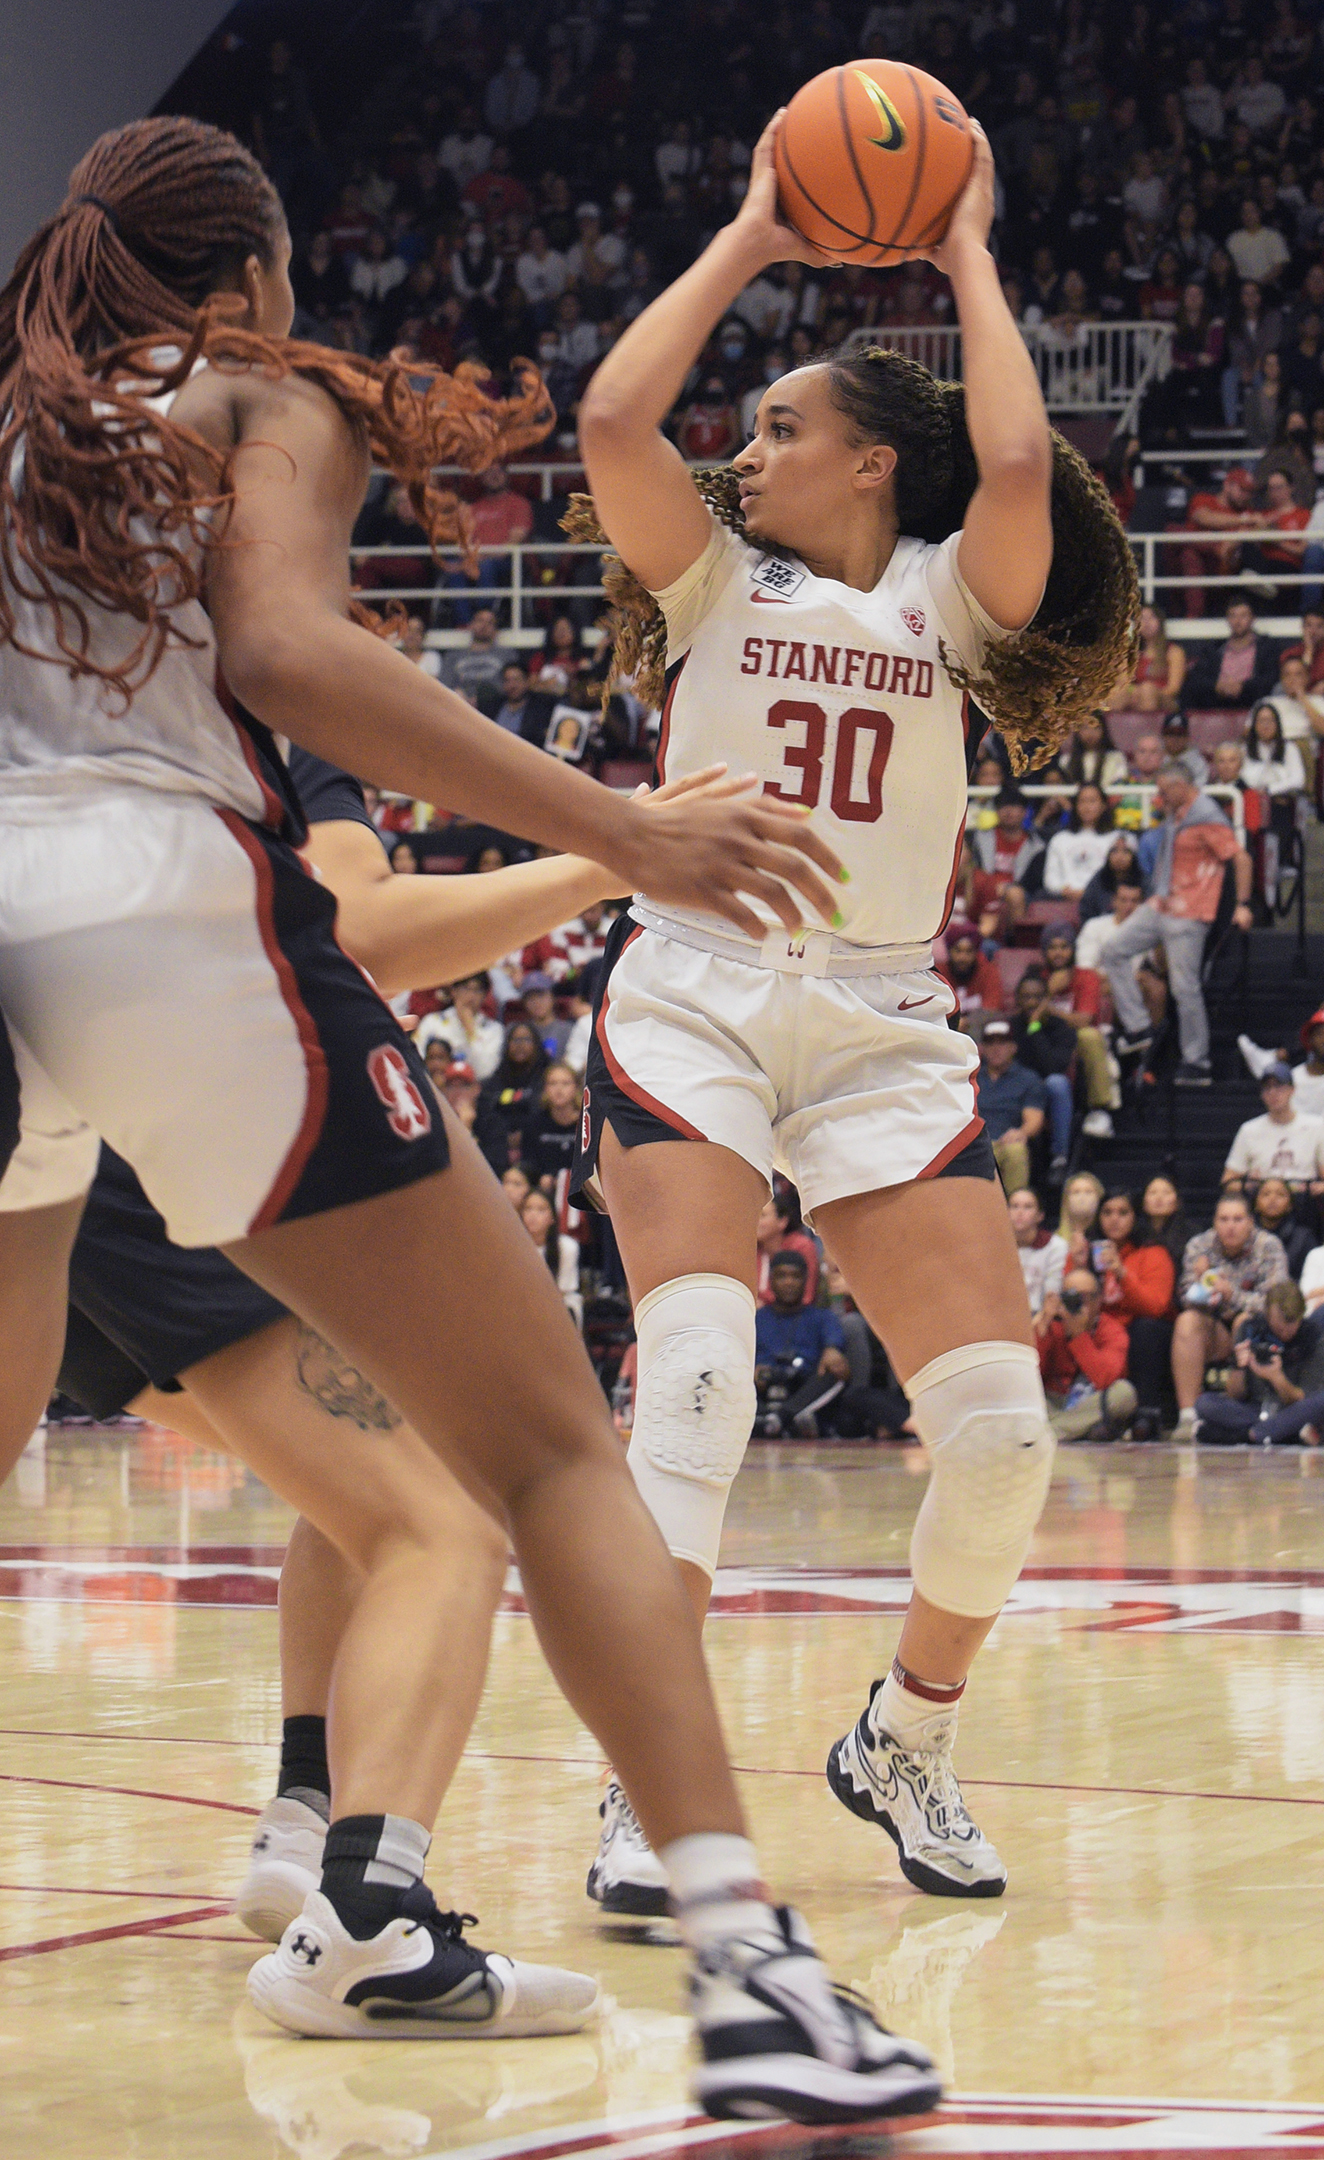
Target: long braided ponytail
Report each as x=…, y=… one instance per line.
x=1037, y=684
x=110, y=304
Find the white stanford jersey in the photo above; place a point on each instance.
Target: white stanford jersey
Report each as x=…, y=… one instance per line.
x=836, y=699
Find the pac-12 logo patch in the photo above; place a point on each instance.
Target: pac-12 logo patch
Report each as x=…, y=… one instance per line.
x=914, y=619
x=406, y=1112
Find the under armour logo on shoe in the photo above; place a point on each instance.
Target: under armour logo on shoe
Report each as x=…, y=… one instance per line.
x=303, y=1947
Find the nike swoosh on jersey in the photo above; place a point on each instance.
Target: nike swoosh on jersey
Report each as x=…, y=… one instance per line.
x=907, y=1004
x=767, y=599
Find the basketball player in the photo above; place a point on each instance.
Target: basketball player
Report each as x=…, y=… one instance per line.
x=822, y=605
x=172, y=972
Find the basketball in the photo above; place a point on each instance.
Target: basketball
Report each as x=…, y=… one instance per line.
x=871, y=158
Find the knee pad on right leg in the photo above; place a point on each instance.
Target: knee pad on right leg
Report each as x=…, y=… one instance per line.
x=694, y=1407
x=981, y=1414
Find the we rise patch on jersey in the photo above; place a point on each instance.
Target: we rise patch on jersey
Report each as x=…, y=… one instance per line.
x=782, y=579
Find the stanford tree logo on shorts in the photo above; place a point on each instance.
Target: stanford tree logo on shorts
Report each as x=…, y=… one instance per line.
x=585, y=1126
x=406, y=1112
x=914, y=619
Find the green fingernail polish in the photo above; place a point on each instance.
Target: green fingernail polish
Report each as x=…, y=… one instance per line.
x=838, y=919
x=844, y=876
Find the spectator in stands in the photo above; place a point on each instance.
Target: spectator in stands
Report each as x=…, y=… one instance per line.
x=1272, y=763
x=1310, y=645
x=1162, y=1218
x=516, y=1184
x=1225, y=1273
x=779, y=1230
x=1308, y=1076
x=486, y=856
x=1090, y=756
x=510, y=1095
x=1082, y=1357
x=1008, y=859
x=800, y=1363
x=1299, y=708
x=1075, y=993
x=1286, y=516
x=1224, y=511
x=1275, y=1211
x=1075, y=854
x=1229, y=764
x=1258, y=250
x=562, y=658
x=1258, y=331
x=466, y=1027
x=1095, y=936
x=1239, y=671
x=1155, y=683
x=541, y=274
x=559, y=1251
x=437, y=1058
x=462, y=1090
x=1046, y=1045
x=1275, y=1388
x=522, y=711
x=404, y=861
x=968, y=971
x=1284, y=1142
x=538, y=999
x=413, y=647
x=873, y=1405
x=1121, y=867
x=1139, y=1279
x=1012, y=1102
x=1263, y=403
x=710, y=426
x=551, y=1132
x=1082, y=1197
x=1042, y=1253
x=1195, y=845
x=1178, y=749
x=579, y=992
x=475, y=670
x=573, y=947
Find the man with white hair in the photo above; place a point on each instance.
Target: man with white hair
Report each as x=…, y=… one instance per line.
x=1195, y=844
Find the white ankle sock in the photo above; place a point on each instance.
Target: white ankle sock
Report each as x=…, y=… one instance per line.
x=718, y=1889
x=906, y=1716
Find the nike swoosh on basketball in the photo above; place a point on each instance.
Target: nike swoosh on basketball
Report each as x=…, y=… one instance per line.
x=907, y=1004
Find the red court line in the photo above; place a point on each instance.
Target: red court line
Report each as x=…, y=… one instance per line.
x=131, y=1792
x=58, y=1732
x=111, y=1934
x=154, y=1897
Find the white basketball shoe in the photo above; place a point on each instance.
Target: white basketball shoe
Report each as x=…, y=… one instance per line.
x=626, y=1879
x=284, y=1864
x=415, y=1980
x=912, y=1794
x=778, y=2038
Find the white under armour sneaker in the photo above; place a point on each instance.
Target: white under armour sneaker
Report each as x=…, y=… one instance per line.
x=284, y=1864
x=417, y=1980
x=912, y=1793
x=626, y=1879
x=779, y=2039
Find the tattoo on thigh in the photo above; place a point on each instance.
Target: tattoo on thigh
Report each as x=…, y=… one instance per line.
x=340, y=1387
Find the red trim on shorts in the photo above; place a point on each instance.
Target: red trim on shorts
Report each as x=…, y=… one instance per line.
x=664, y=728
x=273, y=809
x=953, y=1148
x=314, y=1057
x=623, y=1081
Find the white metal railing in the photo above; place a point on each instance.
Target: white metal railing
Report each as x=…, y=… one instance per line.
x=1097, y=367
x=1140, y=794
x=1152, y=580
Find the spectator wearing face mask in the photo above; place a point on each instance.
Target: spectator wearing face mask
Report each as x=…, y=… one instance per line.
x=1082, y=1357
x=1274, y=1391
x=1042, y=1253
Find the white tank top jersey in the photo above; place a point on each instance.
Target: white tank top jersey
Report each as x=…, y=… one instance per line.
x=63, y=737
x=836, y=699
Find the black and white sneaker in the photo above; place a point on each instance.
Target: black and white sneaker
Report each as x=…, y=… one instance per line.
x=417, y=1980
x=913, y=1795
x=626, y=1879
x=284, y=1864
x=1191, y=1075
x=779, y=2039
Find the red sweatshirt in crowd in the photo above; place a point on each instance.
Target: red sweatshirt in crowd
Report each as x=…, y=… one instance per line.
x=1144, y=1285
x=1099, y=1357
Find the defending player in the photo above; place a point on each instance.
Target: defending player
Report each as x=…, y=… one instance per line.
x=172, y=971
x=821, y=608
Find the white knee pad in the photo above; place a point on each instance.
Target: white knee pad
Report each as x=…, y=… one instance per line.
x=981, y=1414
x=694, y=1407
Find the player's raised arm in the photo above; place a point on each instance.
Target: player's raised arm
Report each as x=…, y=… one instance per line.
x=644, y=497
x=278, y=590
x=1007, y=540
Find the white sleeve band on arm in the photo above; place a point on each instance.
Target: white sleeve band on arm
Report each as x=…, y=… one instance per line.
x=694, y=1407
x=981, y=1414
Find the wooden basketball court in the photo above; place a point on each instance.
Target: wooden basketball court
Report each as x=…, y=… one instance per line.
x=1143, y=1739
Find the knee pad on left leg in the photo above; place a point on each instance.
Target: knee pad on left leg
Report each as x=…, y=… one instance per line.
x=981, y=1413
x=694, y=1407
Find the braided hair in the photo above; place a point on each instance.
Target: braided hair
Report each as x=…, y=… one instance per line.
x=1036, y=684
x=111, y=304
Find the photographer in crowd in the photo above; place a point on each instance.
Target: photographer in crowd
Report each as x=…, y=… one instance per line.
x=1275, y=1388
x=800, y=1362
x=1082, y=1357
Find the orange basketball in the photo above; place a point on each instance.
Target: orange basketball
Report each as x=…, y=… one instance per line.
x=870, y=159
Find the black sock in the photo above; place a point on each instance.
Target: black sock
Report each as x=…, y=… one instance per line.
x=303, y=1769
x=369, y=1865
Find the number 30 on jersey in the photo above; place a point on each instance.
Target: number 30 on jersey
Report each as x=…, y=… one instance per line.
x=857, y=794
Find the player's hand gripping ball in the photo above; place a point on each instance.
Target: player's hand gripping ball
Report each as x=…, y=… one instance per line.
x=871, y=158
